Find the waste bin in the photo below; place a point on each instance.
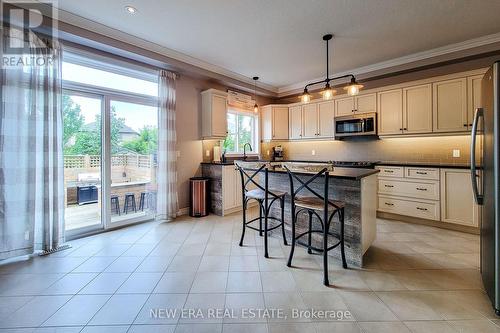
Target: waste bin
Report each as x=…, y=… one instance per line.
x=198, y=193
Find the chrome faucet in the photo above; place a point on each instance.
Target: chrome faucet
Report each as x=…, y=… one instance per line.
x=245, y=150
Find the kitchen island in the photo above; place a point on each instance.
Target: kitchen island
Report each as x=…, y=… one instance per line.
x=356, y=187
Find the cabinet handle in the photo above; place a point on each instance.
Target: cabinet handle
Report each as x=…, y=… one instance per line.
x=401, y=129
x=470, y=125
x=405, y=129
x=420, y=173
x=423, y=209
x=421, y=189
x=389, y=204
x=389, y=171
x=388, y=185
x=465, y=125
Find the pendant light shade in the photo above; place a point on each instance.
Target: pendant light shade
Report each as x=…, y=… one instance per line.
x=353, y=88
x=305, y=97
x=255, y=107
x=328, y=92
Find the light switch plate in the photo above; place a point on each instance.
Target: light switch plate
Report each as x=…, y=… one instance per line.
x=268, y=152
x=207, y=153
x=456, y=152
x=313, y=152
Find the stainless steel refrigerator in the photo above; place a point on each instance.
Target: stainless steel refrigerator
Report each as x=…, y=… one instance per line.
x=485, y=177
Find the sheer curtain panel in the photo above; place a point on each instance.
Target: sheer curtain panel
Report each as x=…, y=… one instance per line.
x=31, y=160
x=167, y=198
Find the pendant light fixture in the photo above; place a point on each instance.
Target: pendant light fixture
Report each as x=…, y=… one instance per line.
x=255, y=107
x=327, y=92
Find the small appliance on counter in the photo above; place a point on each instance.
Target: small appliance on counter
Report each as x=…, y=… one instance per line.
x=278, y=154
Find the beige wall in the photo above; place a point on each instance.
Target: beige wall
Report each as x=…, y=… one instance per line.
x=188, y=125
x=418, y=149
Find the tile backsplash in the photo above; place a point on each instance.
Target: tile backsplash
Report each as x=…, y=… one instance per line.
x=415, y=149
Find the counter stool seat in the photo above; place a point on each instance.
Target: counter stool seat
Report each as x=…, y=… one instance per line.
x=259, y=194
x=315, y=203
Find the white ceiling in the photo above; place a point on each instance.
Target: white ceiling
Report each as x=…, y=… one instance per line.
x=281, y=40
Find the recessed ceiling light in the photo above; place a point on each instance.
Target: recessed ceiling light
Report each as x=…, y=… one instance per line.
x=130, y=9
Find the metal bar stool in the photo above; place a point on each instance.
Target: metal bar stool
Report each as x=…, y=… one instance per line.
x=314, y=206
x=115, y=204
x=248, y=172
x=129, y=202
x=143, y=203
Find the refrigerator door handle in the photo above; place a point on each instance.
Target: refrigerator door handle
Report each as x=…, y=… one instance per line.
x=473, y=169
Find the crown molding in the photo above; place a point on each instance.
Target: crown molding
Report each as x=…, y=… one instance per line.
x=282, y=91
x=96, y=27
x=419, y=56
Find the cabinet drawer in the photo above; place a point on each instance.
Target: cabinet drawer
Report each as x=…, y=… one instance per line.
x=419, y=190
x=422, y=173
x=424, y=210
x=391, y=171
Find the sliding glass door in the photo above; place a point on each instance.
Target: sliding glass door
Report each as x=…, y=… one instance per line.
x=83, y=171
x=134, y=142
x=110, y=145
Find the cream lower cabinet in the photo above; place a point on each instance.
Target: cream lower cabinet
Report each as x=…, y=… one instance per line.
x=439, y=194
x=274, y=122
x=409, y=193
x=231, y=189
x=457, y=200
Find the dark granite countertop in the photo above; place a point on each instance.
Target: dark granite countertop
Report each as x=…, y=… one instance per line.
x=218, y=163
x=337, y=172
x=426, y=164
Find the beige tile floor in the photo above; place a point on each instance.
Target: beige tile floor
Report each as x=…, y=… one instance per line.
x=417, y=279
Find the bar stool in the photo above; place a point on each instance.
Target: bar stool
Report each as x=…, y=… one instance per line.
x=129, y=202
x=314, y=206
x=142, y=201
x=248, y=172
x=115, y=204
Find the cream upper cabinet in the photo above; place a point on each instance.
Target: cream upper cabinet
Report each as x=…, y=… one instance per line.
x=344, y=106
x=274, y=122
x=295, y=115
x=214, y=114
x=280, y=123
x=310, y=120
x=325, y=119
x=457, y=200
x=267, y=123
x=473, y=97
x=359, y=104
x=450, y=105
x=365, y=103
x=417, y=109
x=390, y=112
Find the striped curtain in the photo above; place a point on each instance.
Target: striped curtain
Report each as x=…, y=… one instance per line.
x=167, y=198
x=31, y=159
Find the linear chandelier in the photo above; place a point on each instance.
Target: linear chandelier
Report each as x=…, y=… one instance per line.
x=352, y=88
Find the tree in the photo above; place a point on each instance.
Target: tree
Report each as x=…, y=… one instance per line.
x=146, y=143
x=73, y=120
x=88, y=142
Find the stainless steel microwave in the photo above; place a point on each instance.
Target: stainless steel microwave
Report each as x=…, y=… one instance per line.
x=364, y=124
